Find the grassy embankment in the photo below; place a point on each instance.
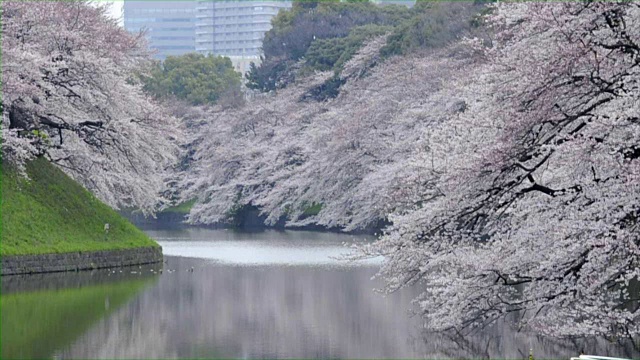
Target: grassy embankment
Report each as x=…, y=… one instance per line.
x=51, y=213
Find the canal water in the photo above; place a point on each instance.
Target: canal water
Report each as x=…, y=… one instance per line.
x=226, y=294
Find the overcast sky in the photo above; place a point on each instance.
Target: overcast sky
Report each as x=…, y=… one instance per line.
x=116, y=9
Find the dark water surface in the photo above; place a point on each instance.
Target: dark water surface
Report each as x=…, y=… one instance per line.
x=249, y=295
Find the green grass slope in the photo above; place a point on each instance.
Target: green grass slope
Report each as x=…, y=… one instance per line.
x=51, y=213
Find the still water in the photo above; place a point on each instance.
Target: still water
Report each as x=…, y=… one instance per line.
x=224, y=294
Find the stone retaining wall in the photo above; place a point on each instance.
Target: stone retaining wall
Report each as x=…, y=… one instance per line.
x=33, y=264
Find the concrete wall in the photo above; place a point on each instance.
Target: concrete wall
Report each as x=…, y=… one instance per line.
x=33, y=264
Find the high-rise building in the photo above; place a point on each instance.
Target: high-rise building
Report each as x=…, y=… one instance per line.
x=235, y=28
x=407, y=3
x=170, y=25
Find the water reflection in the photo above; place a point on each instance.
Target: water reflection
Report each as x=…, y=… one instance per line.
x=227, y=307
x=280, y=248
x=42, y=314
x=220, y=311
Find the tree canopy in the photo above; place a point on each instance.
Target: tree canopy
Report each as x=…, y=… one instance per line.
x=510, y=169
x=195, y=78
x=534, y=209
x=322, y=35
x=322, y=24
x=69, y=93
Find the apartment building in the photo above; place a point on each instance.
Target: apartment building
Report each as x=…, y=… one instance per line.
x=221, y=27
x=408, y=3
x=235, y=28
x=170, y=25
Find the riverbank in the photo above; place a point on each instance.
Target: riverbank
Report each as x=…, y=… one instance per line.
x=51, y=223
x=89, y=260
x=247, y=219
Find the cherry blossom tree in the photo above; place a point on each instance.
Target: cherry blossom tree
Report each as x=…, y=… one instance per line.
x=509, y=168
x=283, y=153
x=68, y=94
x=535, y=211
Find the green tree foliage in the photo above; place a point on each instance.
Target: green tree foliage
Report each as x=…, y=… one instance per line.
x=327, y=54
x=310, y=4
x=294, y=32
x=316, y=20
x=193, y=77
x=433, y=24
x=326, y=34
x=327, y=90
x=266, y=76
